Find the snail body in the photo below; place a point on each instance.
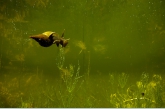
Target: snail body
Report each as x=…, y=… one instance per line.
x=48, y=38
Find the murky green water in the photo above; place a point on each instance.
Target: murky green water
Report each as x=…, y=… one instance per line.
x=114, y=58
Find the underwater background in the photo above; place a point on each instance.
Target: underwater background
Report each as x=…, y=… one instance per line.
x=115, y=56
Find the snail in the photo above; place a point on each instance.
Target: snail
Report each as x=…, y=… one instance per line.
x=48, y=38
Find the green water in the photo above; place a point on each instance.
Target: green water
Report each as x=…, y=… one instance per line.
x=114, y=46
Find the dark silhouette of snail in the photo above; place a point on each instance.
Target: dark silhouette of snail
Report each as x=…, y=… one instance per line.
x=48, y=38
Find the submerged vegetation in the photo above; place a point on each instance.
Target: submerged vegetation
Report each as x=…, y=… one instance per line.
x=144, y=94
x=73, y=90
x=110, y=35
x=81, y=45
x=32, y=90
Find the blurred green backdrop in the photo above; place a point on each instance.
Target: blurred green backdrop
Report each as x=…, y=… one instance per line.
x=105, y=35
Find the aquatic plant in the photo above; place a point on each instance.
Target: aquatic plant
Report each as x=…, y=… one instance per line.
x=32, y=90
x=111, y=78
x=81, y=45
x=60, y=58
x=19, y=17
x=99, y=45
x=26, y=104
x=100, y=48
x=38, y=3
x=9, y=97
x=144, y=94
x=89, y=63
x=122, y=80
x=70, y=79
x=70, y=82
